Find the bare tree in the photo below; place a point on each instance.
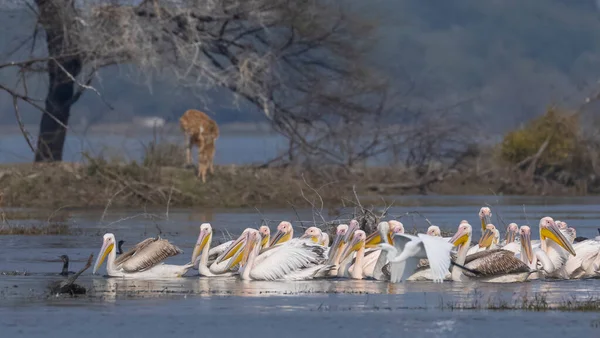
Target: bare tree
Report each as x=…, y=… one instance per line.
x=294, y=60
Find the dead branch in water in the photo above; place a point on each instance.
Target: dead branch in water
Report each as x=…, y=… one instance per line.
x=68, y=285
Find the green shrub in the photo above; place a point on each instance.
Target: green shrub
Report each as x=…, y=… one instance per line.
x=560, y=128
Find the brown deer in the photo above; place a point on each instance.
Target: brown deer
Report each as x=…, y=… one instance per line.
x=202, y=131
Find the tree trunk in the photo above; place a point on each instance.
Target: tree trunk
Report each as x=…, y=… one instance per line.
x=52, y=134
x=56, y=18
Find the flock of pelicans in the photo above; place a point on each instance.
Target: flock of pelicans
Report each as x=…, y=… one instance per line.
x=388, y=254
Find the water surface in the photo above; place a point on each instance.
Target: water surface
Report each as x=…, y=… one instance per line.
x=228, y=307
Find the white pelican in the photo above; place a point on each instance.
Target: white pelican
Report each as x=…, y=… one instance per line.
x=314, y=234
x=265, y=234
x=284, y=233
x=407, y=251
x=144, y=260
x=201, y=253
x=218, y=250
x=385, y=234
x=485, y=216
x=586, y=264
x=434, y=230
x=512, y=230
x=372, y=262
x=534, y=258
x=556, y=245
x=356, y=244
x=224, y=262
x=295, y=260
x=351, y=229
x=510, y=243
x=383, y=228
x=570, y=233
x=324, y=241
x=489, y=240
x=499, y=266
x=338, y=245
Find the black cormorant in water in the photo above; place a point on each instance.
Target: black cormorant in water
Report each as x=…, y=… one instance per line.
x=65, y=270
x=68, y=285
x=581, y=239
x=119, y=247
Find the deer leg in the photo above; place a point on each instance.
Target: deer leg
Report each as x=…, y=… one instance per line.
x=188, y=149
x=211, y=158
x=202, y=159
x=204, y=166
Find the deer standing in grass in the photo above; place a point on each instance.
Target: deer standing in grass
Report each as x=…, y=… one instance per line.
x=202, y=131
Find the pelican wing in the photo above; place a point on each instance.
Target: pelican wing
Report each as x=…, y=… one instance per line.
x=495, y=262
x=150, y=255
x=286, y=260
x=586, y=252
x=400, y=241
x=438, y=254
x=385, y=270
x=513, y=247
x=141, y=245
x=400, y=271
x=317, y=271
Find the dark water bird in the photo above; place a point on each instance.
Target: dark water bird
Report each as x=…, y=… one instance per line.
x=581, y=238
x=68, y=285
x=65, y=269
x=120, y=247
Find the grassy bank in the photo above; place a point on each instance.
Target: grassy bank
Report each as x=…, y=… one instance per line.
x=98, y=183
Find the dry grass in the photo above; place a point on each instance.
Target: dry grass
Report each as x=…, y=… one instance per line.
x=131, y=184
x=538, y=302
x=97, y=182
x=47, y=229
x=160, y=179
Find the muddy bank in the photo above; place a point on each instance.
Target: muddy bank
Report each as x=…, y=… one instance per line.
x=98, y=184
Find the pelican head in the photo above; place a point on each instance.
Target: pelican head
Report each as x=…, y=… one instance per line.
x=313, y=233
x=549, y=230
x=384, y=233
x=351, y=229
x=204, y=239
x=485, y=215
x=234, y=248
x=108, y=245
x=561, y=225
x=434, y=230
x=358, y=242
x=462, y=237
x=511, y=232
x=265, y=233
x=324, y=241
x=525, y=235
x=338, y=241
x=490, y=236
x=284, y=233
x=397, y=227
x=252, y=241
x=571, y=234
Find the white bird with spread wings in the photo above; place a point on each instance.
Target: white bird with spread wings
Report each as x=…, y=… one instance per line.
x=408, y=250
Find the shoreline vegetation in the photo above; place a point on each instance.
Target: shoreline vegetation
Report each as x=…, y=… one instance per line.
x=96, y=183
x=550, y=155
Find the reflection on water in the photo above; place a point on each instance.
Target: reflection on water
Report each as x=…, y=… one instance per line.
x=219, y=306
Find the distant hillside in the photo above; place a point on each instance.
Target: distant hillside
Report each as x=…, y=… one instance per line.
x=510, y=58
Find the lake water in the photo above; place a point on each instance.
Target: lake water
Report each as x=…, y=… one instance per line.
x=227, y=307
x=232, y=148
